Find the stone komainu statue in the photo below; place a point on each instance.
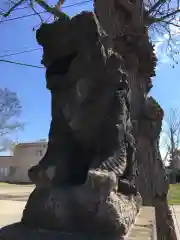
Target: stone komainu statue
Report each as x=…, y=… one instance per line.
x=84, y=178
x=90, y=127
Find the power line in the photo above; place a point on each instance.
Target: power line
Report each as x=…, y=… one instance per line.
x=31, y=50
x=24, y=16
x=18, y=53
x=22, y=64
x=2, y=9
x=33, y=14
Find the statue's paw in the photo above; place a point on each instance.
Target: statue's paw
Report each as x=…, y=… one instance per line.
x=95, y=207
x=102, y=179
x=39, y=176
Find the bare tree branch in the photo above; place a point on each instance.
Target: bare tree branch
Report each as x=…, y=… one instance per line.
x=155, y=20
x=172, y=134
x=34, y=10
x=49, y=9
x=170, y=23
x=155, y=6
x=13, y=7
x=53, y=10
x=160, y=16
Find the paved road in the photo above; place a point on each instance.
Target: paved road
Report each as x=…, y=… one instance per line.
x=12, y=202
x=176, y=218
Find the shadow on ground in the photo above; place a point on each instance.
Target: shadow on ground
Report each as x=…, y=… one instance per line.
x=20, y=232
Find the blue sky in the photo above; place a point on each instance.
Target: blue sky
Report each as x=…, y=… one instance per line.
x=29, y=83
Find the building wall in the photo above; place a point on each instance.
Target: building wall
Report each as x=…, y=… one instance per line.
x=25, y=156
x=5, y=166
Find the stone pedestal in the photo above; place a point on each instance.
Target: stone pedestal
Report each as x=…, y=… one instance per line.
x=92, y=210
x=21, y=232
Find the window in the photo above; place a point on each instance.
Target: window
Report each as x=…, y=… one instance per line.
x=5, y=172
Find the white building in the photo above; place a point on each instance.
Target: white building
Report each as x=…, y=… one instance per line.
x=5, y=167
x=15, y=168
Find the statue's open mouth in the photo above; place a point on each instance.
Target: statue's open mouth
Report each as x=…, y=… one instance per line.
x=61, y=65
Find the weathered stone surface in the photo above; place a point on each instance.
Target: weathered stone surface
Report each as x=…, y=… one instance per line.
x=152, y=181
x=144, y=228
x=91, y=124
x=90, y=154
x=148, y=151
x=139, y=52
x=94, y=207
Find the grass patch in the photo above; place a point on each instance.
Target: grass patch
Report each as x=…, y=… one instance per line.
x=174, y=194
x=3, y=184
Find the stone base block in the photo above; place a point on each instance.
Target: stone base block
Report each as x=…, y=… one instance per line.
x=94, y=209
x=20, y=232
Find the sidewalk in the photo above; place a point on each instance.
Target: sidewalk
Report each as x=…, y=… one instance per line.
x=10, y=211
x=12, y=202
x=175, y=209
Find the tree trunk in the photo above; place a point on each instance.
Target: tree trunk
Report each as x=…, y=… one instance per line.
x=140, y=62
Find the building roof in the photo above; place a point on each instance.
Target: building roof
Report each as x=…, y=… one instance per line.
x=30, y=144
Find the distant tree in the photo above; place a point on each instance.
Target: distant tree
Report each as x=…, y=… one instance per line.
x=42, y=140
x=171, y=134
x=10, y=109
